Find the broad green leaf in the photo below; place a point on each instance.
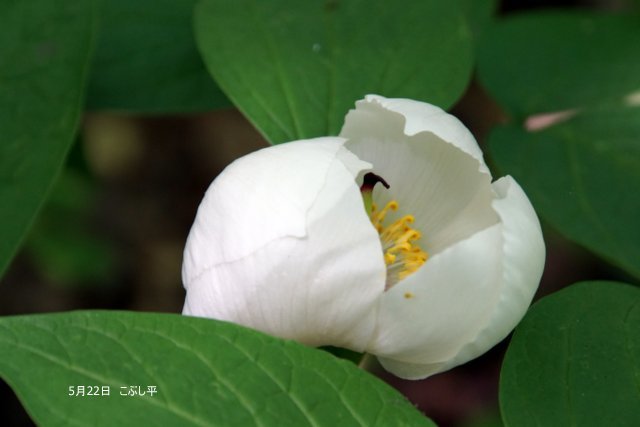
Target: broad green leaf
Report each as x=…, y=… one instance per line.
x=583, y=175
x=582, y=172
x=295, y=68
x=206, y=373
x=552, y=61
x=575, y=360
x=44, y=58
x=146, y=60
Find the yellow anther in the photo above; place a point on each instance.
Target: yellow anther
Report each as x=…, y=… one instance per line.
x=402, y=254
x=378, y=217
x=409, y=235
x=398, y=228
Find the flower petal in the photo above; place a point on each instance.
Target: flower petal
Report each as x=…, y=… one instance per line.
x=320, y=287
x=522, y=262
x=426, y=318
x=257, y=199
x=443, y=185
x=418, y=117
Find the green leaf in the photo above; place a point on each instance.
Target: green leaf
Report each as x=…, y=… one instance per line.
x=552, y=61
x=582, y=176
x=575, y=360
x=146, y=60
x=479, y=14
x=43, y=65
x=206, y=372
x=295, y=68
x=581, y=172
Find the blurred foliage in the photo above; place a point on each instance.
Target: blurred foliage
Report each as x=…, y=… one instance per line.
x=485, y=419
x=581, y=166
x=479, y=14
x=146, y=60
x=62, y=243
x=42, y=75
x=556, y=60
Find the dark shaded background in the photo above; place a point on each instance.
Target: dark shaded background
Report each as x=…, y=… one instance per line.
x=111, y=236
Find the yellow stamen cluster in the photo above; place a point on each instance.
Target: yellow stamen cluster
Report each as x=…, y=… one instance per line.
x=402, y=254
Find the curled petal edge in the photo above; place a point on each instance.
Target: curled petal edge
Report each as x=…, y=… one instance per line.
x=423, y=117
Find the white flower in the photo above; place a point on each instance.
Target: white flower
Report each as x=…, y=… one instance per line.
x=283, y=242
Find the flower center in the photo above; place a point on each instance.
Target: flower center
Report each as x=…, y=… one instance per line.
x=402, y=254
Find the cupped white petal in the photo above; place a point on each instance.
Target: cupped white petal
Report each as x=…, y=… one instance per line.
x=418, y=117
x=257, y=199
x=443, y=183
x=522, y=267
x=426, y=318
x=319, y=286
x=521, y=259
